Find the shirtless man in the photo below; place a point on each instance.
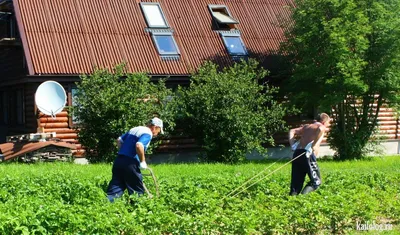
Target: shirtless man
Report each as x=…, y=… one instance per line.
x=305, y=141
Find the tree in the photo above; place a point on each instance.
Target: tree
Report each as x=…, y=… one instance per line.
x=110, y=103
x=231, y=112
x=346, y=61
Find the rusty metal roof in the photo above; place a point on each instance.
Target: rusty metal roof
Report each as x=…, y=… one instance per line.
x=13, y=150
x=74, y=36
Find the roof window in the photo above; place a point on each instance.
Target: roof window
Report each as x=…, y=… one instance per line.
x=222, y=17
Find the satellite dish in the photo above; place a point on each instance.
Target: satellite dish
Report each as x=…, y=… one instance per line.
x=50, y=98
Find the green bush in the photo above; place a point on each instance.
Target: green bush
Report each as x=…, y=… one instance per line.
x=231, y=112
x=111, y=103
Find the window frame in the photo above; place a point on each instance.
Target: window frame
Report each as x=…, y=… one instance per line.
x=71, y=121
x=155, y=34
x=147, y=18
x=223, y=35
x=220, y=25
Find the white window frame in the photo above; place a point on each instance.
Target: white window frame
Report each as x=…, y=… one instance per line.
x=227, y=46
x=147, y=17
x=212, y=7
x=72, y=119
x=154, y=34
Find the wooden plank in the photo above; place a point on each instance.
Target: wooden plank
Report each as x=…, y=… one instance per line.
x=67, y=135
x=54, y=125
x=53, y=120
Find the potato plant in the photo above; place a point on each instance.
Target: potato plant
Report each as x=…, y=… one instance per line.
x=64, y=198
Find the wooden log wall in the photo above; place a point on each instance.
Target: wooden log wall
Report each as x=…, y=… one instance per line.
x=59, y=124
x=389, y=128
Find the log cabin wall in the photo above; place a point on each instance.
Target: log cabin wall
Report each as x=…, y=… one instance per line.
x=61, y=124
x=389, y=125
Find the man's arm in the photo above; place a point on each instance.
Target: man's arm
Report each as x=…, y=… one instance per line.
x=140, y=151
x=141, y=145
x=318, y=140
x=121, y=139
x=292, y=133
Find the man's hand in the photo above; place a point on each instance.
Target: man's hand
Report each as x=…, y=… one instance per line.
x=143, y=165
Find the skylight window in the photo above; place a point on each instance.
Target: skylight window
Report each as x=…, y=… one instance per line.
x=160, y=31
x=154, y=15
x=165, y=44
x=222, y=17
x=234, y=45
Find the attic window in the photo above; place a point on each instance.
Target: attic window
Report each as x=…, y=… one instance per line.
x=234, y=44
x=165, y=43
x=222, y=17
x=160, y=31
x=154, y=15
x=8, y=27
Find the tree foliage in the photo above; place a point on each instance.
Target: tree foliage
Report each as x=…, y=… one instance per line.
x=230, y=112
x=109, y=103
x=346, y=61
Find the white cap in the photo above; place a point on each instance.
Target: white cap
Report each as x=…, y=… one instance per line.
x=157, y=122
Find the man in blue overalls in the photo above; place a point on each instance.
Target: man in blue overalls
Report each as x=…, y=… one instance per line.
x=126, y=172
x=306, y=149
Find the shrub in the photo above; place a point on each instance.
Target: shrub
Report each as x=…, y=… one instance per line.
x=111, y=103
x=231, y=112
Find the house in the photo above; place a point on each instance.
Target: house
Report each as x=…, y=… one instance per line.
x=59, y=40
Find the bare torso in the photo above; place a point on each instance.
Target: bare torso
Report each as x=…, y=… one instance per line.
x=312, y=132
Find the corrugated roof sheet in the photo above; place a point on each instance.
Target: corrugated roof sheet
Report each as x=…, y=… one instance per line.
x=73, y=36
x=13, y=150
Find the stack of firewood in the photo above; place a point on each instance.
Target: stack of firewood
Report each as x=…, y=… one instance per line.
x=48, y=154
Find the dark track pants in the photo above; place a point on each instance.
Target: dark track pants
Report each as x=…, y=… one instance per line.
x=301, y=167
x=126, y=174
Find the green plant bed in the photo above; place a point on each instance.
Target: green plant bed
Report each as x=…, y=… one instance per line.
x=63, y=198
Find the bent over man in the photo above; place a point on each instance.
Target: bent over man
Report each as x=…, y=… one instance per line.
x=309, y=138
x=126, y=172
